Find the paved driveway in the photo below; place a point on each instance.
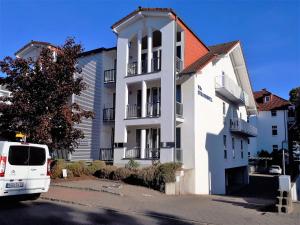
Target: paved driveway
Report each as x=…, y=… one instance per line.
x=190, y=208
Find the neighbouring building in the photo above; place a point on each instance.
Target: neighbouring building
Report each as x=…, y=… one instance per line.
x=274, y=116
x=162, y=95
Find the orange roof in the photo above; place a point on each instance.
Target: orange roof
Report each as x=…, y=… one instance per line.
x=275, y=103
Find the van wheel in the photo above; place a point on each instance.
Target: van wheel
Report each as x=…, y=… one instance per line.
x=34, y=196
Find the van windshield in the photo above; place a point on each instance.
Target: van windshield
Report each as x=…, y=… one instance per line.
x=25, y=155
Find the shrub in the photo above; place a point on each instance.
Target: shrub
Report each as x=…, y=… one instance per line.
x=95, y=166
x=121, y=173
x=132, y=164
x=106, y=172
x=165, y=173
x=56, y=168
x=77, y=168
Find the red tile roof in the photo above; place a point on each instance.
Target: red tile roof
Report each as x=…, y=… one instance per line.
x=214, y=51
x=275, y=103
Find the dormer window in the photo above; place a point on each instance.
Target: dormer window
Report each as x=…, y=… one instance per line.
x=267, y=99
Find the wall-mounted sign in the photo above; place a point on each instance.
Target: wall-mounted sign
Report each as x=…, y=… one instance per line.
x=200, y=92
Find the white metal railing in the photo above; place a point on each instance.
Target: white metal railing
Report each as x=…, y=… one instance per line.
x=225, y=82
x=242, y=126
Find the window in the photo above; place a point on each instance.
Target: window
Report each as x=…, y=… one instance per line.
x=178, y=137
x=274, y=130
x=24, y=155
x=273, y=112
x=224, y=141
x=18, y=155
x=178, y=36
x=37, y=156
x=225, y=146
x=242, y=149
x=267, y=98
x=224, y=108
x=178, y=51
x=248, y=141
x=275, y=147
x=178, y=93
x=233, y=150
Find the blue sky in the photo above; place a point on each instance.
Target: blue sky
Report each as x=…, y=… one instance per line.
x=269, y=30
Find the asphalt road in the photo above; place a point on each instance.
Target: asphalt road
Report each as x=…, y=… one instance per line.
x=47, y=212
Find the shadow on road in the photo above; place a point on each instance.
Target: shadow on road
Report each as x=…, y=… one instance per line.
x=44, y=212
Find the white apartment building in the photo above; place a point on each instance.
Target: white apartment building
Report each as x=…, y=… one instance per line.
x=272, y=121
x=162, y=95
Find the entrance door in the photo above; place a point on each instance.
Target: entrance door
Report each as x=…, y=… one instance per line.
x=144, y=63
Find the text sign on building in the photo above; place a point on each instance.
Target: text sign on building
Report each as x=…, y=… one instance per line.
x=200, y=92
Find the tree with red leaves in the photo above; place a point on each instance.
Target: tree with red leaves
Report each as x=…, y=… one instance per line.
x=40, y=102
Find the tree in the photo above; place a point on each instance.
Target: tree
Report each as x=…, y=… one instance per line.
x=40, y=105
x=295, y=100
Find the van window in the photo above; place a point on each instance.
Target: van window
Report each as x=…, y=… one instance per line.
x=24, y=155
x=18, y=155
x=37, y=156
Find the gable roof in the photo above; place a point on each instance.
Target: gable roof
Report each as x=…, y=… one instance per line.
x=163, y=10
x=35, y=43
x=275, y=103
x=214, y=51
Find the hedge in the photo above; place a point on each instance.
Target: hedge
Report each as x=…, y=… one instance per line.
x=155, y=176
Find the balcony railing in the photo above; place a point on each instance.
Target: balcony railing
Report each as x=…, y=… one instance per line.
x=152, y=153
x=178, y=155
x=133, y=153
x=106, y=154
x=132, y=69
x=109, y=76
x=156, y=64
x=108, y=114
x=153, y=109
x=179, y=109
x=230, y=90
x=179, y=65
x=133, y=66
x=242, y=127
x=134, y=111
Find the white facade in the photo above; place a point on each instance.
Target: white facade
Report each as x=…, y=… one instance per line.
x=272, y=133
x=147, y=110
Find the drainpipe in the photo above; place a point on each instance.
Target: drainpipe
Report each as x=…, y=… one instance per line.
x=175, y=35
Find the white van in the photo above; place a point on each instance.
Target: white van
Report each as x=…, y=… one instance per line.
x=24, y=169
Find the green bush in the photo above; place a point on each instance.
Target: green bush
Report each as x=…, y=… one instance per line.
x=95, y=166
x=165, y=173
x=77, y=168
x=132, y=164
x=56, y=168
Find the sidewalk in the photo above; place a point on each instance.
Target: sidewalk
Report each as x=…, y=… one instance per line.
x=140, y=200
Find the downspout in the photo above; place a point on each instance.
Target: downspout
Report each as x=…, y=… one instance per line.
x=175, y=37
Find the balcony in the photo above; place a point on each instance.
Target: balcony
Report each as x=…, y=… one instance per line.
x=243, y=128
x=108, y=114
x=230, y=90
x=135, y=153
x=106, y=154
x=179, y=109
x=135, y=111
x=132, y=69
x=109, y=76
x=179, y=65
x=153, y=109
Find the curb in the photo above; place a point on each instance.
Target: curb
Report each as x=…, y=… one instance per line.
x=126, y=211
x=88, y=189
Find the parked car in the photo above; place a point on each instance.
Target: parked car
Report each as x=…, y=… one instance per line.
x=24, y=169
x=274, y=169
